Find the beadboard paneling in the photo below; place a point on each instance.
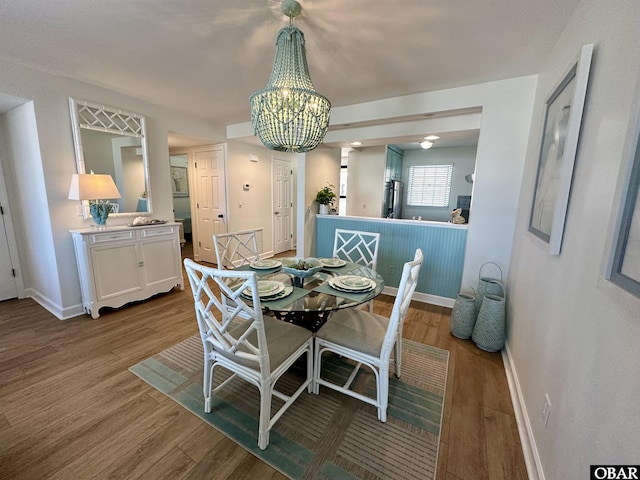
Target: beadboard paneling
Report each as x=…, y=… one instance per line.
x=443, y=247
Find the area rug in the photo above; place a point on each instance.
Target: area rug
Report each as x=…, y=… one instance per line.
x=325, y=436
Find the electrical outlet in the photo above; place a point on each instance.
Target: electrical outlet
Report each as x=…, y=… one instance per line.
x=392, y=269
x=546, y=410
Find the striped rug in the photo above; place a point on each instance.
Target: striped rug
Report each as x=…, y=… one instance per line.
x=326, y=436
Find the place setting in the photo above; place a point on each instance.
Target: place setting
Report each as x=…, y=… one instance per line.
x=269, y=290
x=336, y=266
x=262, y=267
x=266, y=264
x=352, y=284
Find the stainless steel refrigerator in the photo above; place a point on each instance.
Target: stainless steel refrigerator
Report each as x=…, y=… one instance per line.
x=393, y=199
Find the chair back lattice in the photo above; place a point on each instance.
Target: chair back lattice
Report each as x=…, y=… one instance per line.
x=212, y=289
x=408, y=283
x=236, y=249
x=357, y=247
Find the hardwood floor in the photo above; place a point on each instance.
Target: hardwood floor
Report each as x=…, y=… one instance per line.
x=70, y=409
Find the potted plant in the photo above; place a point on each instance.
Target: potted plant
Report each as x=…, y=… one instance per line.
x=325, y=197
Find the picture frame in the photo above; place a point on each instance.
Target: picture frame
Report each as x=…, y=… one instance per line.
x=557, y=152
x=179, y=181
x=625, y=265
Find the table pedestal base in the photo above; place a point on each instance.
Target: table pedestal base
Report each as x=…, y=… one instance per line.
x=309, y=320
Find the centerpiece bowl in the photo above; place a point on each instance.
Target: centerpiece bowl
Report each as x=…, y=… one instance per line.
x=301, y=268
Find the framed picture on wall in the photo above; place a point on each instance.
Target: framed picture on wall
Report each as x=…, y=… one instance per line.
x=179, y=181
x=557, y=152
x=625, y=268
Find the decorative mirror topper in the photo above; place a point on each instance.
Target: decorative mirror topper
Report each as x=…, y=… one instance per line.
x=112, y=141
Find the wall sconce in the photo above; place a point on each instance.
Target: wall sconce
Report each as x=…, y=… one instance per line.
x=96, y=189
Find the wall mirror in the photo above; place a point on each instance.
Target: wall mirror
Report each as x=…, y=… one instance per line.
x=113, y=141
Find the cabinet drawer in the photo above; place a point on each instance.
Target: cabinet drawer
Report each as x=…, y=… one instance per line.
x=99, y=238
x=156, y=231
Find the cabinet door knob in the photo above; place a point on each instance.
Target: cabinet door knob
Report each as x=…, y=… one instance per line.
x=221, y=216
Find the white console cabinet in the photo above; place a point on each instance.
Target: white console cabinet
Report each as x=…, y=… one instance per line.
x=125, y=264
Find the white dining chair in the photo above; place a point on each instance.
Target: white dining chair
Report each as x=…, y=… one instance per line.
x=357, y=247
x=259, y=350
x=368, y=339
x=236, y=249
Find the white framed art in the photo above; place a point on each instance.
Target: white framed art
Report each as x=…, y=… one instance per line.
x=624, y=270
x=557, y=153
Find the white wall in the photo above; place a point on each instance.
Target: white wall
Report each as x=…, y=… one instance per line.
x=29, y=203
x=365, y=183
x=253, y=208
x=463, y=160
x=572, y=334
x=40, y=188
x=504, y=125
x=322, y=167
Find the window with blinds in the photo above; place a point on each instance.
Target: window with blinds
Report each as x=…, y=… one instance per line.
x=429, y=185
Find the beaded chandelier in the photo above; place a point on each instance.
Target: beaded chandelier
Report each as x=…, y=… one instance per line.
x=288, y=115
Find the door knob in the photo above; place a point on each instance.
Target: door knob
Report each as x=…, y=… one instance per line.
x=276, y=213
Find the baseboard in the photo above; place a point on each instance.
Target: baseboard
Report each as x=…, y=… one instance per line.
x=529, y=448
x=53, y=308
x=423, y=297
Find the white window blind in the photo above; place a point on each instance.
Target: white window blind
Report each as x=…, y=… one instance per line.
x=429, y=185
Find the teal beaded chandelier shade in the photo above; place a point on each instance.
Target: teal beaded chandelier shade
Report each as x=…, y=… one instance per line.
x=288, y=115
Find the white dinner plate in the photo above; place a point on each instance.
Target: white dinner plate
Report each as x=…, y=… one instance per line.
x=352, y=283
x=265, y=264
x=288, y=290
x=281, y=292
x=332, y=262
x=266, y=288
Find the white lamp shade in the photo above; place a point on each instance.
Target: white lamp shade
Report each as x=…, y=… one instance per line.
x=89, y=186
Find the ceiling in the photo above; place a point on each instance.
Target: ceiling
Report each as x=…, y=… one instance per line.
x=208, y=57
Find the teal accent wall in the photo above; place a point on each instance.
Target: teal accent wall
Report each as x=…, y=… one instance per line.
x=443, y=249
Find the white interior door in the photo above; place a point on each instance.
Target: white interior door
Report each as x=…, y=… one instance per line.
x=282, y=205
x=210, y=200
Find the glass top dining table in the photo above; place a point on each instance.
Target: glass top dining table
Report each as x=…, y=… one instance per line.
x=308, y=302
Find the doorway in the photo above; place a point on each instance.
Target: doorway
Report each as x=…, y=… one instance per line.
x=209, y=204
x=282, y=188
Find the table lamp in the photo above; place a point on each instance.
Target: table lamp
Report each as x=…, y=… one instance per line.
x=97, y=189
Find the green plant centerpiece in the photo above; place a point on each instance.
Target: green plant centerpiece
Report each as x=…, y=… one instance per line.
x=325, y=197
x=300, y=268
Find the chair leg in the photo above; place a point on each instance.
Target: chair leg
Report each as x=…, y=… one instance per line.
x=316, y=368
x=207, y=383
x=370, y=306
x=398, y=355
x=265, y=417
x=383, y=393
x=310, y=351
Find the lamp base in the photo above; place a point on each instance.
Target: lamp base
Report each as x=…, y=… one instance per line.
x=100, y=212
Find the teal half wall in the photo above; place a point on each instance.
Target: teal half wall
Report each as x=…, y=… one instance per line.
x=443, y=246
